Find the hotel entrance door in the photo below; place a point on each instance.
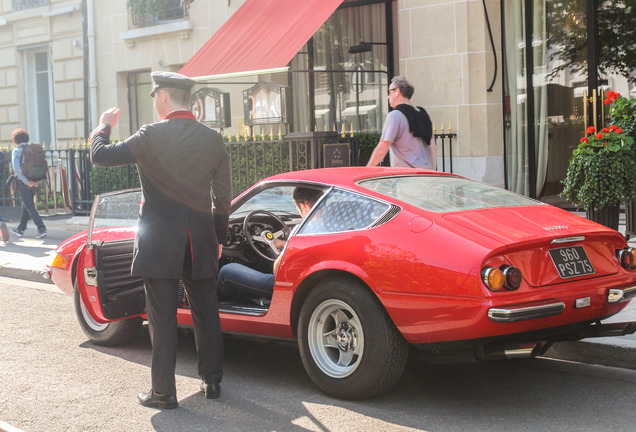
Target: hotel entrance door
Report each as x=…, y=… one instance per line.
x=576, y=50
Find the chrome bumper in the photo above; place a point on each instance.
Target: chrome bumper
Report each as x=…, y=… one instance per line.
x=615, y=295
x=512, y=314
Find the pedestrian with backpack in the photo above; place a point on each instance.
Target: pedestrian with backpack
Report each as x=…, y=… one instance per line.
x=27, y=183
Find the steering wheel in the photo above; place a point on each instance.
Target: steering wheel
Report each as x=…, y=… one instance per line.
x=266, y=238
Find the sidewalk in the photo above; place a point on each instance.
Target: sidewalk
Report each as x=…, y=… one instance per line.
x=26, y=258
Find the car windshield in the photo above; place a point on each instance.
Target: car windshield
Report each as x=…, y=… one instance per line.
x=278, y=200
x=445, y=193
x=117, y=209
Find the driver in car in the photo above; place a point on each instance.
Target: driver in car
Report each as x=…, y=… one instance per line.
x=237, y=281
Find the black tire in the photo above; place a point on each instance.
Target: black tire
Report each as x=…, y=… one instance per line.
x=349, y=346
x=110, y=334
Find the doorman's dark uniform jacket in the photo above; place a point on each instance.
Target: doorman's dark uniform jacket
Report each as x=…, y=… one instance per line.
x=184, y=172
x=185, y=181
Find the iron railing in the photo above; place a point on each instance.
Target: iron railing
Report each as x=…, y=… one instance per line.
x=19, y=5
x=173, y=10
x=73, y=182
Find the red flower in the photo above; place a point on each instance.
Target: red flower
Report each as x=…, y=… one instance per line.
x=584, y=139
x=619, y=131
x=599, y=136
x=612, y=95
x=590, y=130
x=613, y=127
x=604, y=144
x=607, y=101
x=605, y=130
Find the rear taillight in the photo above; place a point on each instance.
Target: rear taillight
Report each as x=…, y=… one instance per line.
x=496, y=279
x=512, y=277
x=627, y=257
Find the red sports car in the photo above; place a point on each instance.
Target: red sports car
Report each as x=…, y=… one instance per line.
x=386, y=261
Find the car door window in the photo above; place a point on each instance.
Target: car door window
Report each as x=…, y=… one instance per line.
x=343, y=211
x=115, y=209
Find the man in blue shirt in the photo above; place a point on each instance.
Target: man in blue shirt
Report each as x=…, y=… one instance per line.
x=408, y=131
x=25, y=187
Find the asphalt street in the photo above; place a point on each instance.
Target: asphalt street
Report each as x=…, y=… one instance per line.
x=54, y=379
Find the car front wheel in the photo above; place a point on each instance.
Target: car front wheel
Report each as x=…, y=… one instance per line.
x=109, y=334
x=348, y=344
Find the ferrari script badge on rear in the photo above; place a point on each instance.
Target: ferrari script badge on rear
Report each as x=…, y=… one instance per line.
x=554, y=228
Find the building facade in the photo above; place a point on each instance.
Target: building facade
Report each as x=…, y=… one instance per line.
x=64, y=62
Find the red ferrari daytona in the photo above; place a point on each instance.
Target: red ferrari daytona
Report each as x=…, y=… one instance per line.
x=388, y=260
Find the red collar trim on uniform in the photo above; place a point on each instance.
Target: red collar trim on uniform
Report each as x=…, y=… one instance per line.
x=180, y=114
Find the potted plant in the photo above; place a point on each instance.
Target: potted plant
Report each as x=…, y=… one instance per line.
x=623, y=114
x=602, y=174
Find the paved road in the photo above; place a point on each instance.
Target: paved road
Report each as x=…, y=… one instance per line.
x=54, y=380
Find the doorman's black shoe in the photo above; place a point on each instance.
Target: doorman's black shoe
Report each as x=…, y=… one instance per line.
x=153, y=399
x=212, y=389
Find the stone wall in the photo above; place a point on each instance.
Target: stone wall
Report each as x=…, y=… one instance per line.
x=445, y=51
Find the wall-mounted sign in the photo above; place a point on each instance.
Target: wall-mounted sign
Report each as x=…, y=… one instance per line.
x=336, y=155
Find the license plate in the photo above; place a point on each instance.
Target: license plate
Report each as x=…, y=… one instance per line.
x=571, y=262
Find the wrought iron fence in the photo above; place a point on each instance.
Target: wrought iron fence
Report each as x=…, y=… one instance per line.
x=73, y=181
x=253, y=160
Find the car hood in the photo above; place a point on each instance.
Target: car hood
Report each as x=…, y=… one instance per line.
x=529, y=223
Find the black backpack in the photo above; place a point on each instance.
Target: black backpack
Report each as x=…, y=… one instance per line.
x=33, y=162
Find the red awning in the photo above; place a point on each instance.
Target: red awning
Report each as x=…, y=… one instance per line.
x=261, y=35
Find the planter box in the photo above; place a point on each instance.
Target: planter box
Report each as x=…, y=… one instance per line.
x=630, y=219
x=607, y=216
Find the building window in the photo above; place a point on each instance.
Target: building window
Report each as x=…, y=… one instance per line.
x=140, y=104
x=18, y=5
x=149, y=13
x=543, y=126
x=349, y=59
x=38, y=86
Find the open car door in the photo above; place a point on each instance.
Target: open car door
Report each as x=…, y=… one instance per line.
x=109, y=291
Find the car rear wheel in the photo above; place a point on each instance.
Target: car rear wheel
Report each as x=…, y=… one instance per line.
x=348, y=344
x=109, y=334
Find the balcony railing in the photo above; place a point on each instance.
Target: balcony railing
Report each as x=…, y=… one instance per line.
x=18, y=5
x=174, y=10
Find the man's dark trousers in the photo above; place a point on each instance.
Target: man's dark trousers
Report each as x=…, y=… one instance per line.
x=161, y=307
x=28, y=208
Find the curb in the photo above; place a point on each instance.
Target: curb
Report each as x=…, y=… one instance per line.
x=590, y=352
x=24, y=274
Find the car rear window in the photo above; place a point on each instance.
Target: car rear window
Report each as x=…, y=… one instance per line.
x=445, y=193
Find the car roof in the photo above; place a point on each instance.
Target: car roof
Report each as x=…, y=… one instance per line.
x=348, y=176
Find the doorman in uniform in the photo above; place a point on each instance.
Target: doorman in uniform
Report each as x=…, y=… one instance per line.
x=183, y=219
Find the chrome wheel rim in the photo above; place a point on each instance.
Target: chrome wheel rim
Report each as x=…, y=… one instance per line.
x=335, y=338
x=88, y=319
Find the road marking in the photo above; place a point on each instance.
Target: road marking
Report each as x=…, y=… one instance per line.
x=6, y=427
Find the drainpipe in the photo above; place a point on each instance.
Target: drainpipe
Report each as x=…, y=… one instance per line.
x=90, y=12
